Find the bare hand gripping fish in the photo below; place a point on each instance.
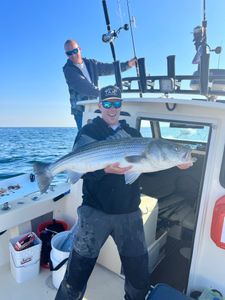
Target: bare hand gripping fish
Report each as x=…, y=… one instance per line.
x=143, y=154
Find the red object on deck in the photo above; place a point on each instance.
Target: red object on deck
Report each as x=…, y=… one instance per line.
x=48, y=224
x=218, y=223
x=45, y=232
x=25, y=242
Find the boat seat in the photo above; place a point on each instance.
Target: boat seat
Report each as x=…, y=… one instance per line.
x=189, y=221
x=169, y=202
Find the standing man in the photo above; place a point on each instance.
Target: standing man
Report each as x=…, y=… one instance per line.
x=110, y=207
x=82, y=77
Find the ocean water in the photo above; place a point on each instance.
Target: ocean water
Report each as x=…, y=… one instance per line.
x=20, y=147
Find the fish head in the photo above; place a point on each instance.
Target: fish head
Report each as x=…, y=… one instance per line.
x=168, y=154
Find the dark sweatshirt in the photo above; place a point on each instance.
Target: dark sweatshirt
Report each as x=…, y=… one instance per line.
x=108, y=192
x=80, y=88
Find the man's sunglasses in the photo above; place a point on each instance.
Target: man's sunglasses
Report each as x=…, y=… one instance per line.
x=109, y=104
x=74, y=51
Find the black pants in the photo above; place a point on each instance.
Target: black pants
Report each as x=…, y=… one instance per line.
x=92, y=230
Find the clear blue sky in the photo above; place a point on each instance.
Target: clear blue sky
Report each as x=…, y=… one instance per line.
x=33, y=91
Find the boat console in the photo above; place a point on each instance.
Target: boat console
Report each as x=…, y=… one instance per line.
x=21, y=200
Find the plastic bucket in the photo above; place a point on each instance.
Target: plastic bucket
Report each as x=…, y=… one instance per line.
x=59, y=256
x=25, y=264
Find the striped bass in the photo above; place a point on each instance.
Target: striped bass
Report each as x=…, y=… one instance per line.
x=143, y=154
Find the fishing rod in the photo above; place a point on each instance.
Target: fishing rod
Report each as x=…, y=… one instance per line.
x=202, y=55
x=111, y=34
x=204, y=59
x=109, y=38
x=134, y=48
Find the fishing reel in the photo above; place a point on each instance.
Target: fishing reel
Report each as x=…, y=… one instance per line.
x=198, y=39
x=112, y=34
x=217, y=50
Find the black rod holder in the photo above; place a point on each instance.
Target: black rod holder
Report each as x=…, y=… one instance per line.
x=142, y=74
x=118, y=74
x=171, y=66
x=204, y=74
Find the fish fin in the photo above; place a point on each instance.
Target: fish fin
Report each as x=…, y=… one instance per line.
x=121, y=134
x=134, y=158
x=43, y=174
x=131, y=177
x=83, y=140
x=74, y=176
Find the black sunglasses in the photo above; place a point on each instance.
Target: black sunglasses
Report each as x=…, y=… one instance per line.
x=74, y=51
x=109, y=104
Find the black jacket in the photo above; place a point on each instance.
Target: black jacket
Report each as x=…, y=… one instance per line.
x=82, y=89
x=108, y=192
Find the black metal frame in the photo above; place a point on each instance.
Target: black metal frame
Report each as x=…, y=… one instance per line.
x=145, y=82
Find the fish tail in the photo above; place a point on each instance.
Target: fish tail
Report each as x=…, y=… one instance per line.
x=44, y=175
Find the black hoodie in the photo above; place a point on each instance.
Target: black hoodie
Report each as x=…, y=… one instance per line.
x=108, y=192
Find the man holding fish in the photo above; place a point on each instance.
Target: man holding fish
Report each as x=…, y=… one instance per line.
x=111, y=198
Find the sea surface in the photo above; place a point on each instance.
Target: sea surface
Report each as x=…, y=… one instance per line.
x=20, y=147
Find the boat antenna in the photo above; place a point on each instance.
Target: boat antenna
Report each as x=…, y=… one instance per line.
x=204, y=10
x=204, y=57
x=131, y=21
x=119, y=12
x=131, y=29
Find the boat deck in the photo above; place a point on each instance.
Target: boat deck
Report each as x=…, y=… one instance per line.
x=103, y=284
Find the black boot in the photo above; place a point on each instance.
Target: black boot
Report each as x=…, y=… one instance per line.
x=75, y=280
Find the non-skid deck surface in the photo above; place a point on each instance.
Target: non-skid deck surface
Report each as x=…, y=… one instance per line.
x=102, y=285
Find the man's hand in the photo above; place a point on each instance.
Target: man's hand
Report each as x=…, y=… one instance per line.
x=132, y=63
x=115, y=169
x=185, y=166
